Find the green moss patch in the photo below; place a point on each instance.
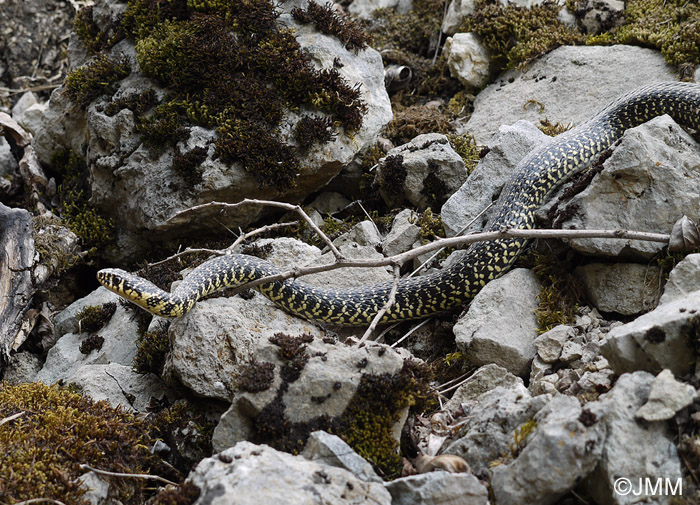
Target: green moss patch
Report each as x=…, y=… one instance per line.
x=668, y=25
x=93, y=317
x=96, y=78
x=327, y=20
x=55, y=433
x=516, y=35
x=151, y=349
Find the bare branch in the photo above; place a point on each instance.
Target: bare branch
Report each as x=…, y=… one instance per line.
x=129, y=475
x=11, y=418
x=40, y=500
x=402, y=258
x=219, y=252
x=389, y=303
x=281, y=205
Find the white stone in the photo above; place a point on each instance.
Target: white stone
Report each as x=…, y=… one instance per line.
x=683, y=279
x=667, y=397
x=489, y=334
x=364, y=9
x=404, y=232
x=468, y=59
x=482, y=380
x=332, y=450
x=438, y=487
x=549, y=345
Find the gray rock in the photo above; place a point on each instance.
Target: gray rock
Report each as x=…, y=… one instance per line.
x=25, y=101
x=656, y=340
x=96, y=488
x=120, y=333
x=484, y=184
x=426, y=157
x=230, y=329
x=632, y=450
x=435, y=488
x=8, y=163
x=250, y=474
x=468, y=60
x=683, y=279
x=363, y=233
x=456, y=13
x=488, y=433
x=596, y=16
x=562, y=87
x=549, y=345
x=489, y=334
x=565, y=448
x=331, y=450
x=324, y=389
x=349, y=277
x=289, y=252
x=32, y=118
x=667, y=397
x=22, y=367
x=364, y=9
x=625, y=288
x=127, y=182
x=484, y=379
x=649, y=181
x=120, y=386
x=403, y=234
x=329, y=202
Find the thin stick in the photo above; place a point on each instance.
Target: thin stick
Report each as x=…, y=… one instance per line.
x=129, y=475
x=40, y=500
x=238, y=241
x=12, y=418
x=389, y=303
x=402, y=258
x=411, y=331
x=281, y=205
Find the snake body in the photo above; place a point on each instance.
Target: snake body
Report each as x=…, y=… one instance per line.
x=536, y=177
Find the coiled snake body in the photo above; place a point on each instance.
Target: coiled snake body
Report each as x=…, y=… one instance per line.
x=542, y=171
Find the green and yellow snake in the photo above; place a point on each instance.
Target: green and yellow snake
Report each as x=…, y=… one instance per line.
x=542, y=171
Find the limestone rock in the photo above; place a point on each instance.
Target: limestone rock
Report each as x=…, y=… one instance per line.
x=364, y=9
x=632, y=450
x=484, y=184
x=649, y=181
x=625, y=288
x=550, y=344
x=683, y=279
x=119, y=385
x=126, y=178
x=403, y=234
x=250, y=474
x=482, y=380
x=491, y=422
x=119, y=347
x=468, y=60
x=489, y=334
x=331, y=450
x=656, y=340
x=666, y=398
x=564, y=88
x=596, y=16
x=564, y=448
x=364, y=233
x=439, y=487
x=434, y=171
x=22, y=367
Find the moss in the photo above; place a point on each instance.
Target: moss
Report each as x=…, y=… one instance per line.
x=188, y=164
x=520, y=436
x=57, y=432
x=416, y=120
x=51, y=247
x=93, y=317
x=553, y=129
x=151, y=349
x=91, y=36
x=431, y=227
x=229, y=66
x=184, y=494
x=417, y=31
x=93, y=229
x=327, y=20
x=559, y=295
x=465, y=146
x=312, y=130
x=668, y=25
x=136, y=102
x=292, y=352
x=92, y=343
x=256, y=377
x=516, y=35
x=185, y=429
x=393, y=175
x=96, y=78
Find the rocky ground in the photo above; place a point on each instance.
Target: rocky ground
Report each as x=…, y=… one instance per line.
x=570, y=380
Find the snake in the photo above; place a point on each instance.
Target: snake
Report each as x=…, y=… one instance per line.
x=533, y=180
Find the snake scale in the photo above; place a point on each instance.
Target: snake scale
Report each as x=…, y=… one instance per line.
x=535, y=177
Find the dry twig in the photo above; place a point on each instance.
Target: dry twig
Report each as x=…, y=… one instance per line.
x=389, y=303
x=128, y=475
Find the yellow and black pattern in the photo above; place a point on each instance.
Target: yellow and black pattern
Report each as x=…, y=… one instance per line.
x=534, y=179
